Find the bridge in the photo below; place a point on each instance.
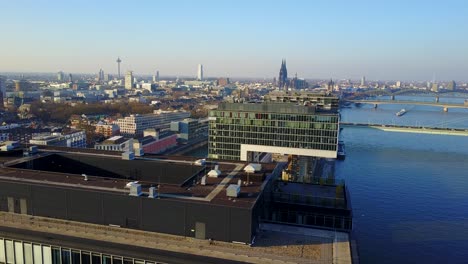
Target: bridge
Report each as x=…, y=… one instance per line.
x=413, y=91
x=445, y=106
x=410, y=129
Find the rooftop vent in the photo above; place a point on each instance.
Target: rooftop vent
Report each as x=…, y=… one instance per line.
x=203, y=180
x=153, y=193
x=200, y=162
x=233, y=190
x=253, y=167
x=214, y=173
x=85, y=176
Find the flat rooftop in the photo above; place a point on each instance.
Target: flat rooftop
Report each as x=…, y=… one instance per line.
x=175, y=177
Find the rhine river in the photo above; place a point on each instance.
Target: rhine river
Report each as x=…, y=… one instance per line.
x=409, y=191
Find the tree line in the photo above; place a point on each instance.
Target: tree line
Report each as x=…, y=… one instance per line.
x=60, y=113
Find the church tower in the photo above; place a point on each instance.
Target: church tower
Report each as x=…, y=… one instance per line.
x=283, y=76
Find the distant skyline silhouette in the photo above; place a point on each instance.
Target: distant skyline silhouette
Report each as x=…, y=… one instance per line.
x=396, y=40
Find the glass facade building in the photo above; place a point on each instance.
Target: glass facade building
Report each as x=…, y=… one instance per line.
x=25, y=252
x=235, y=129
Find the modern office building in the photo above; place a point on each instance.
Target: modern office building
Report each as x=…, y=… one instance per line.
x=60, y=76
x=452, y=86
x=67, y=205
x=116, y=143
x=129, y=80
x=156, y=77
x=22, y=85
x=190, y=129
x=297, y=124
x=363, y=81
x=72, y=139
x=200, y=72
x=154, y=142
x=134, y=125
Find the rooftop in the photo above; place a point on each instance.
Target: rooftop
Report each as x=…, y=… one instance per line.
x=114, y=140
x=175, y=177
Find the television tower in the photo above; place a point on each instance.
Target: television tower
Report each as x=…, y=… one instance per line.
x=118, y=65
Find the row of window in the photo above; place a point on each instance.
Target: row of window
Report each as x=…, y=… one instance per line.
x=273, y=116
x=278, y=134
x=273, y=123
x=22, y=252
x=305, y=142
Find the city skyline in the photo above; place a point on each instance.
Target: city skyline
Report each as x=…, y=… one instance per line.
x=391, y=41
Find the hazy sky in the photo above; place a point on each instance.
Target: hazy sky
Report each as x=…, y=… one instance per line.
x=319, y=39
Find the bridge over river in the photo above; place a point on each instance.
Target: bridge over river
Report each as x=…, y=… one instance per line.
x=410, y=129
x=445, y=106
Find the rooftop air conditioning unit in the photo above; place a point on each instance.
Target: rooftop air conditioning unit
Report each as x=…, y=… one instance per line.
x=233, y=190
x=135, y=189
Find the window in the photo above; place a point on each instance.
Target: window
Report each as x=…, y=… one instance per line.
x=19, y=253
x=56, y=257
x=2, y=251
x=66, y=256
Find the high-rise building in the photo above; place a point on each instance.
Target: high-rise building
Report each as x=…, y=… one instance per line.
x=283, y=76
x=200, y=72
x=398, y=84
x=70, y=78
x=282, y=124
x=435, y=87
x=129, y=80
x=156, y=77
x=60, y=76
x=22, y=85
x=100, y=76
x=2, y=90
x=452, y=86
x=363, y=81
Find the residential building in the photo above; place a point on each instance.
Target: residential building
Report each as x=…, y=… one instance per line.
x=107, y=130
x=223, y=81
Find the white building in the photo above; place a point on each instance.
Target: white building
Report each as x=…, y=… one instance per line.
x=129, y=80
x=134, y=125
x=73, y=139
x=200, y=72
x=116, y=143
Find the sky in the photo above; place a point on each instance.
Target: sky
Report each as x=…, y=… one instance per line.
x=382, y=40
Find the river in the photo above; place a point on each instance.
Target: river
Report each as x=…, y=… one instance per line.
x=409, y=192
